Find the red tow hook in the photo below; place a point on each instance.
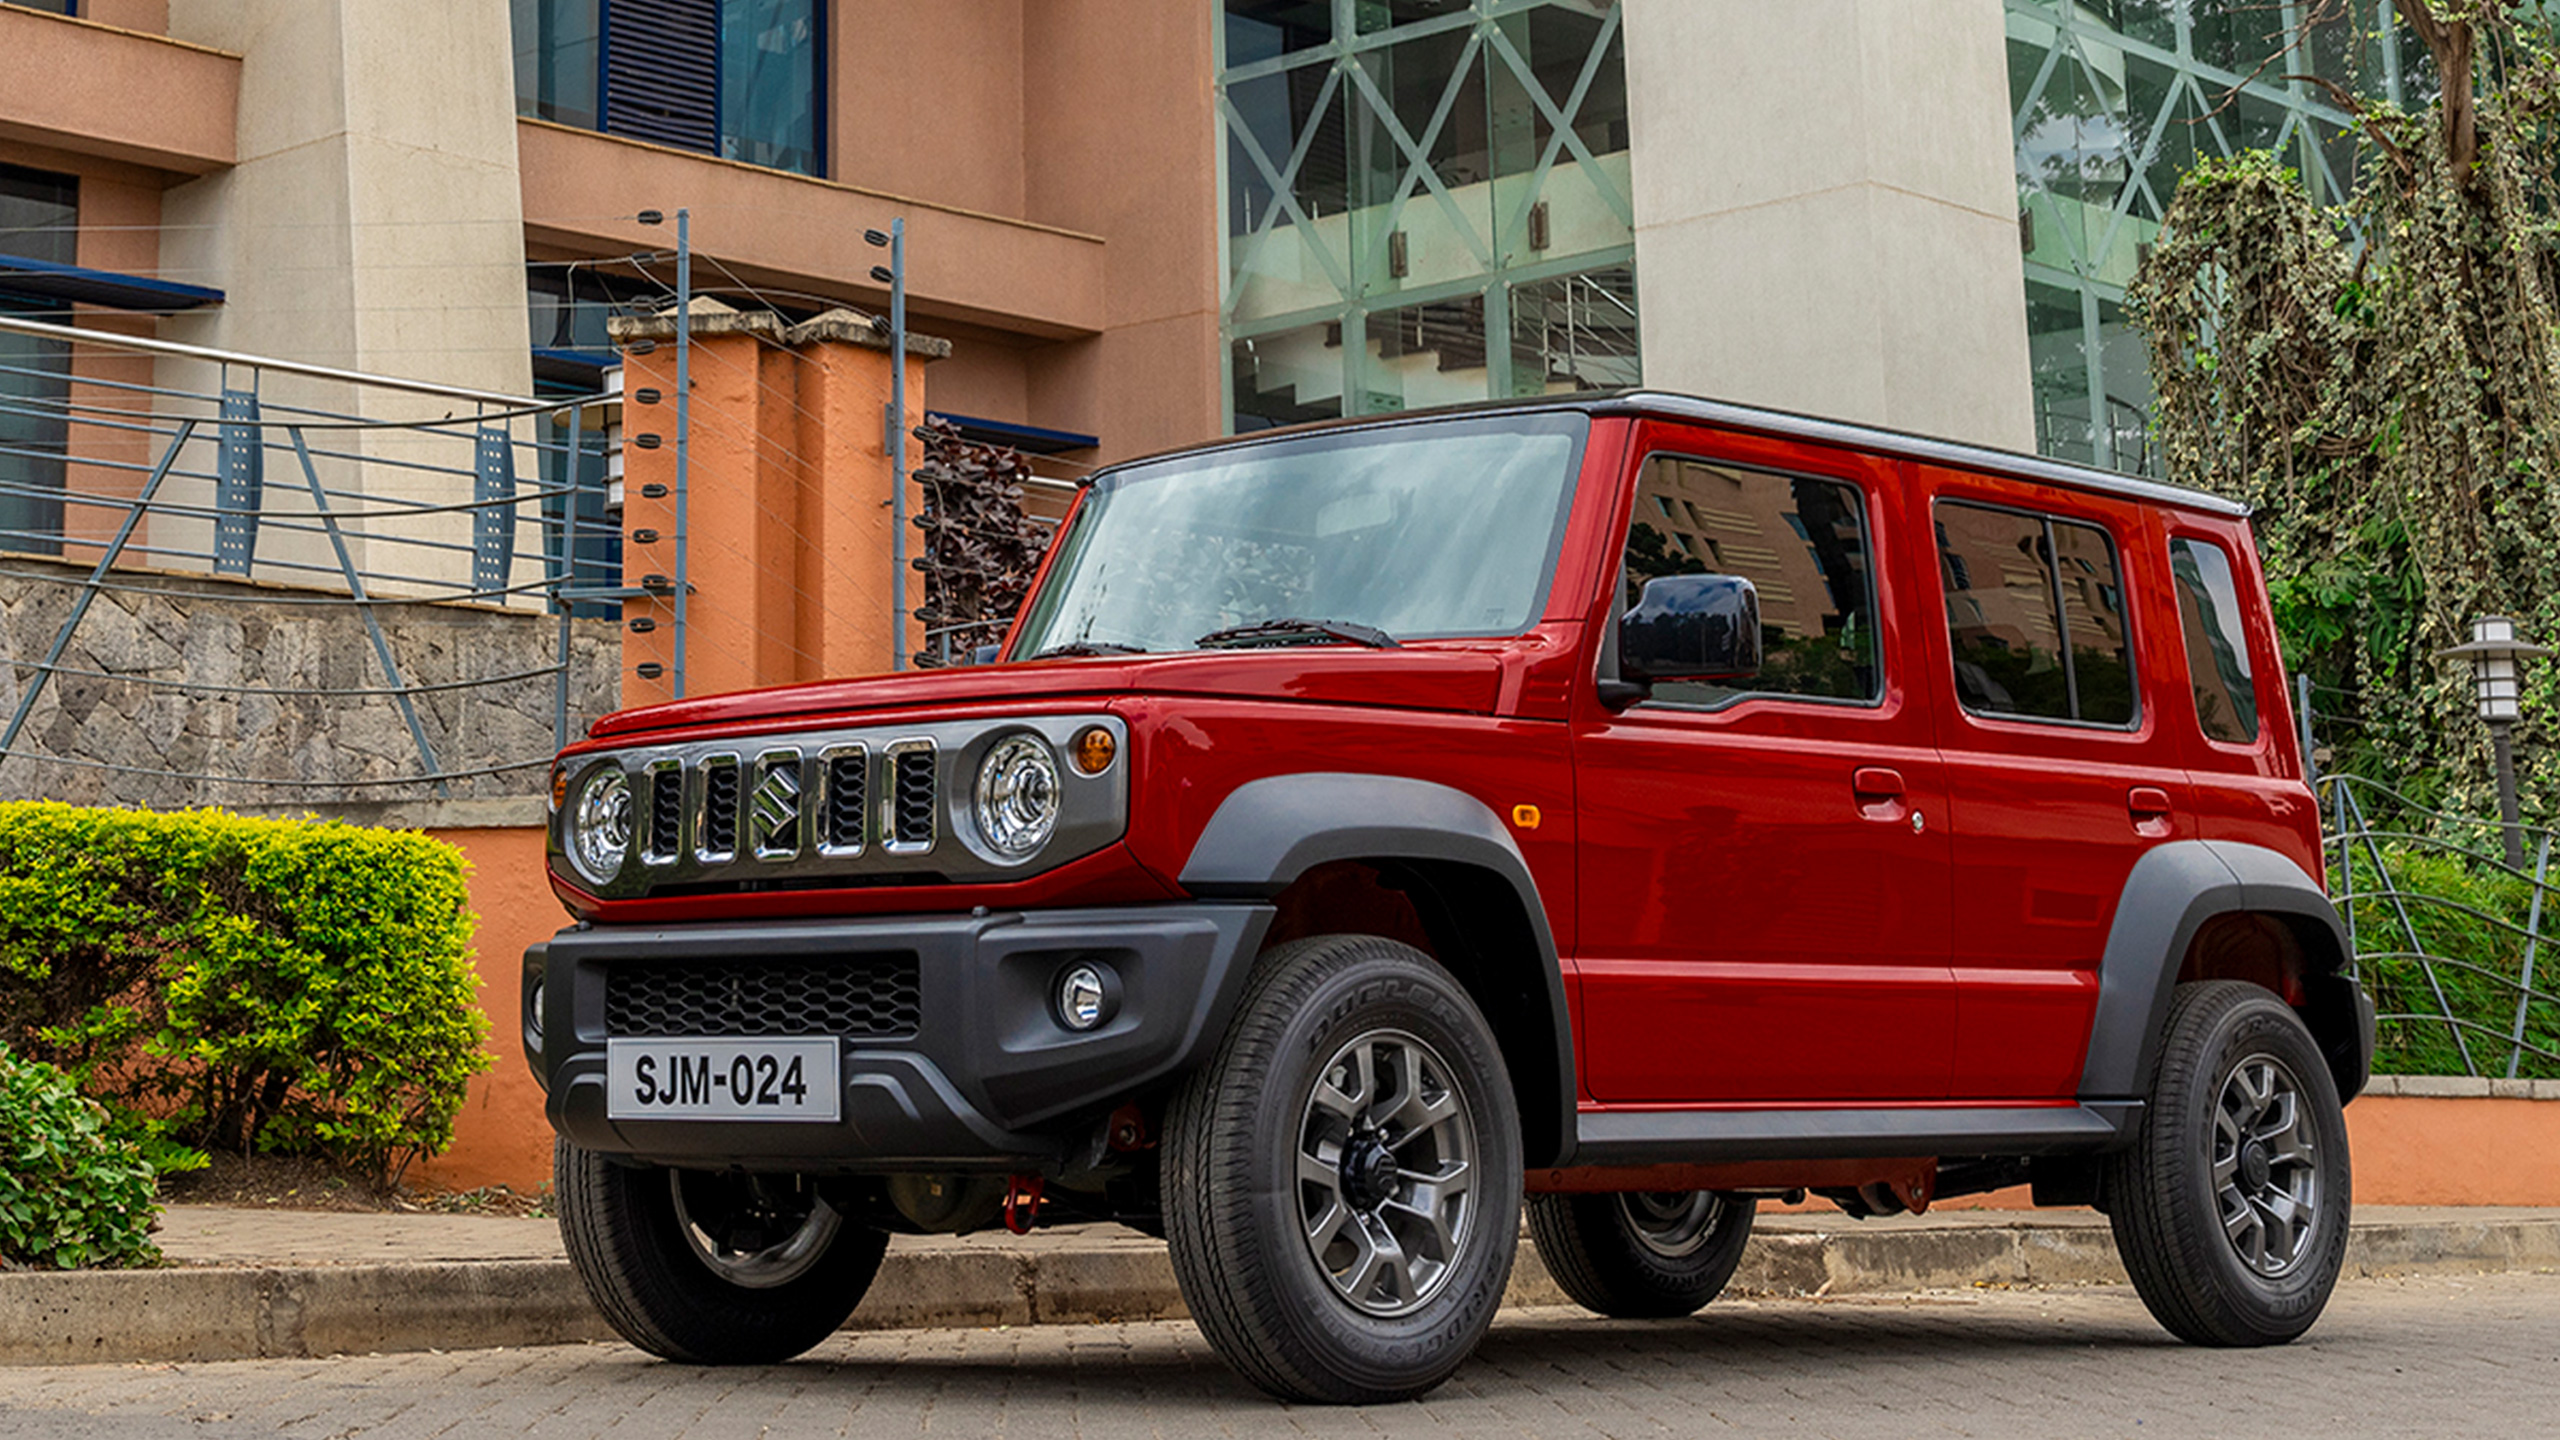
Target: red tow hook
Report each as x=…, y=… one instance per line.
x=1022, y=1203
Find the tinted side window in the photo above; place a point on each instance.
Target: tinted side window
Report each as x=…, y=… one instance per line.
x=2217, y=648
x=1801, y=542
x=2035, y=616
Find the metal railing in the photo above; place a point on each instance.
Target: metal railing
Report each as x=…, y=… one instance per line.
x=142, y=464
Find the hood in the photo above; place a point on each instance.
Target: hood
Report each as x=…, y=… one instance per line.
x=1416, y=678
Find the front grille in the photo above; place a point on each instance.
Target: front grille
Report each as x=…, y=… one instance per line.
x=666, y=811
x=719, y=838
x=860, y=996
x=848, y=790
x=912, y=798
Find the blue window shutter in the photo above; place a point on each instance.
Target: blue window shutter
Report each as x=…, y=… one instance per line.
x=662, y=72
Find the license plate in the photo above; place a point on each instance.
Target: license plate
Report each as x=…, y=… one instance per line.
x=710, y=1079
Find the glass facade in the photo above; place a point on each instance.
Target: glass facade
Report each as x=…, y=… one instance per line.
x=1426, y=202
x=39, y=220
x=740, y=78
x=2112, y=101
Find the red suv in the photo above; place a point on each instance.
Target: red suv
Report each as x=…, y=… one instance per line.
x=1624, y=808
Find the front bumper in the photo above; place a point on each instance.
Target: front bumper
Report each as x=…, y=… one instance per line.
x=987, y=1079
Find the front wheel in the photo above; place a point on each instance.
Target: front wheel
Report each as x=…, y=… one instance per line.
x=1642, y=1255
x=711, y=1268
x=2230, y=1208
x=1342, y=1180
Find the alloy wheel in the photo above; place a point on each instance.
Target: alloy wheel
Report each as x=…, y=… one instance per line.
x=2266, y=1172
x=1673, y=1224
x=753, y=1231
x=1386, y=1172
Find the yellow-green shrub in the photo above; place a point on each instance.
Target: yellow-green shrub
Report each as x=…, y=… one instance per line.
x=291, y=986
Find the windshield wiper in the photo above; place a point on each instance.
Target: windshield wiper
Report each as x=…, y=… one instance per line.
x=1086, y=647
x=1287, y=632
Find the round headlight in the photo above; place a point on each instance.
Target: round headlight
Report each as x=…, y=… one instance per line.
x=1017, y=796
x=600, y=825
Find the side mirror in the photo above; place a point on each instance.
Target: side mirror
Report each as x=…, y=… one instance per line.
x=1692, y=627
x=986, y=654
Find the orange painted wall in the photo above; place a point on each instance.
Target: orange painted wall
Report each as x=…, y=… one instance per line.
x=788, y=518
x=500, y=1138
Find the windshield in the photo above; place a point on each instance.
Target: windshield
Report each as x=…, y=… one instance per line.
x=1441, y=529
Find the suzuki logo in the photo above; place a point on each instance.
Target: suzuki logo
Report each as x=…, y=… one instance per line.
x=773, y=809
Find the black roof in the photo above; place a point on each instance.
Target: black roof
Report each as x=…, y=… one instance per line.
x=1871, y=439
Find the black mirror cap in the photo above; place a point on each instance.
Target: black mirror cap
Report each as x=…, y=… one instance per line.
x=1692, y=627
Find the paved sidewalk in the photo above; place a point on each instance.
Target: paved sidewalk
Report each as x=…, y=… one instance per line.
x=2471, y=1356
x=274, y=1283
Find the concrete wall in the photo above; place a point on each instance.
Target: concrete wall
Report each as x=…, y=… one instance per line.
x=372, y=221
x=1826, y=212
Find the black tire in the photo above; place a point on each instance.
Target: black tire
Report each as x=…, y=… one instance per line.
x=640, y=1247
x=1642, y=1256
x=1335, y=1320
x=2237, y=1074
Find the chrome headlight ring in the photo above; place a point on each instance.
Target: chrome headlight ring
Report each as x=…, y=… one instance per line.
x=599, y=828
x=1017, y=798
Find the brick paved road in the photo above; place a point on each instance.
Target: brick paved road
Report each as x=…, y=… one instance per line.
x=2471, y=1357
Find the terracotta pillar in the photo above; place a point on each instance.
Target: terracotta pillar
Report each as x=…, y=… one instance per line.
x=788, y=516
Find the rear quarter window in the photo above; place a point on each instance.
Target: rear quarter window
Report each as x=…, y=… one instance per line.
x=2217, y=644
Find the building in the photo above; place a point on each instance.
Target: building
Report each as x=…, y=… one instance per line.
x=1145, y=222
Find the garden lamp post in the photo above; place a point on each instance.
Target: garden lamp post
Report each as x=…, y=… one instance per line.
x=2493, y=653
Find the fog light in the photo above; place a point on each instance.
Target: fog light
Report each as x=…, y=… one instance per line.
x=533, y=1010
x=1084, y=997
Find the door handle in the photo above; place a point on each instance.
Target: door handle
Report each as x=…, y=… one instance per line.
x=2147, y=802
x=1877, y=781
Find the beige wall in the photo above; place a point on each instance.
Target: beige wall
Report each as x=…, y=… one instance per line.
x=372, y=221
x=1826, y=213
x=1120, y=143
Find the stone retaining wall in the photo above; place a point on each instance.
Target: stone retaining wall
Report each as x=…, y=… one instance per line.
x=236, y=639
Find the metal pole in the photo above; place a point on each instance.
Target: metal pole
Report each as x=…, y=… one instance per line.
x=684, y=423
x=2302, y=718
x=898, y=444
x=2510, y=815
x=2532, y=942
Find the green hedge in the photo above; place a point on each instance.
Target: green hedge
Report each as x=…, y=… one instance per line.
x=72, y=1191
x=287, y=986
x=2471, y=921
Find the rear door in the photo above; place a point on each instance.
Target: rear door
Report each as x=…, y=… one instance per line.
x=1762, y=868
x=2062, y=765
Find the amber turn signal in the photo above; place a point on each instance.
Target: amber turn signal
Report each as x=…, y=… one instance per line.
x=1093, y=750
x=559, y=786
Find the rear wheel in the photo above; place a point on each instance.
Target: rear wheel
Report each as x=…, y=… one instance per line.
x=707, y=1267
x=2230, y=1209
x=1642, y=1254
x=1342, y=1180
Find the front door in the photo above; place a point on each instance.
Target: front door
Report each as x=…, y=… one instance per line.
x=1764, y=886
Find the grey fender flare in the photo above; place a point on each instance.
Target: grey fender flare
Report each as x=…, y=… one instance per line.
x=2173, y=890
x=1268, y=832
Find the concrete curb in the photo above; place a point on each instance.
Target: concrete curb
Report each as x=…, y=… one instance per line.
x=235, y=1312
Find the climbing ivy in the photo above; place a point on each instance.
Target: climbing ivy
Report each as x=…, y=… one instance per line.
x=2381, y=382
